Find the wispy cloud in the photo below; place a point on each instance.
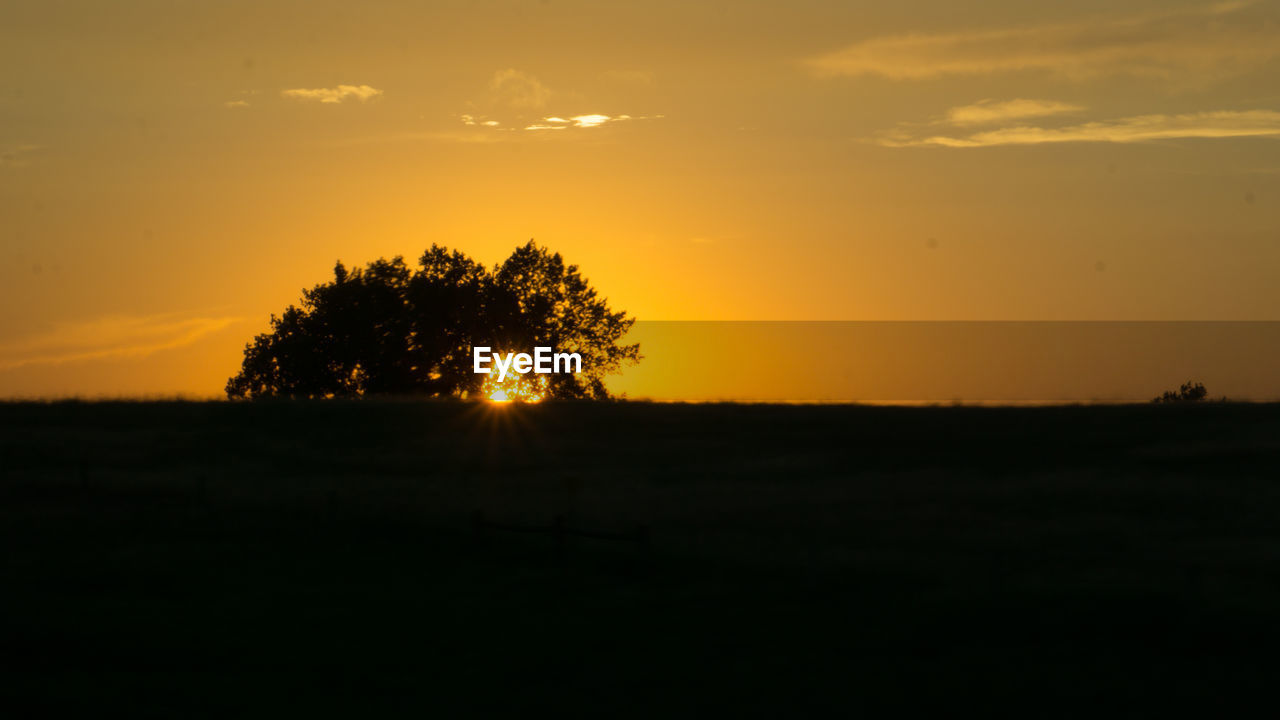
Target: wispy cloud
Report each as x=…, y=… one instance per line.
x=236, y=104
x=593, y=120
x=581, y=121
x=596, y=120
x=115, y=336
x=333, y=95
x=519, y=90
x=1205, y=41
x=989, y=111
x=516, y=104
x=473, y=120
x=1142, y=128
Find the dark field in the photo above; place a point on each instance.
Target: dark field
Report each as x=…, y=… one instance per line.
x=301, y=559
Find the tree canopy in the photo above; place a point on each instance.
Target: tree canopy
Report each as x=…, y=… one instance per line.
x=386, y=329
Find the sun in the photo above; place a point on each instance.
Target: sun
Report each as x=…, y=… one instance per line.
x=517, y=389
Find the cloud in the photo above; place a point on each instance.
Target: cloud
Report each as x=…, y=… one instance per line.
x=17, y=155
x=472, y=120
x=1211, y=40
x=518, y=100
x=519, y=90
x=115, y=336
x=334, y=95
x=1142, y=128
x=592, y=120
x=236, y=104
x=987, y=111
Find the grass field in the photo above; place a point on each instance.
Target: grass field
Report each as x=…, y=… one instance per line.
x=356, y=558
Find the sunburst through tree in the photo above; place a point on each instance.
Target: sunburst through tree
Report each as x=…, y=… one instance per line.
x=514, y=388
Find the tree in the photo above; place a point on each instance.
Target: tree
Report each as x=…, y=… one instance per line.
x=448, y=296
x=537, y=300
x=1188, y=393
x=349, y=337
x=387, y=330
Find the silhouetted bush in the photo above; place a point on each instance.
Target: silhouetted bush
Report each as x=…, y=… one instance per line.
x=1188, y=393
x=387, y=329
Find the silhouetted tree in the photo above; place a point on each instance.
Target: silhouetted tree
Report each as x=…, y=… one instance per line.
x=449, y=296
x=537, y=300
x=1188, y=393
x=386, y=330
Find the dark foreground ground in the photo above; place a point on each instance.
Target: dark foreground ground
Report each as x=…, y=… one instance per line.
x=301, y=559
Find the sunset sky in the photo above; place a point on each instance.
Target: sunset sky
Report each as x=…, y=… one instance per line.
x=172, y=172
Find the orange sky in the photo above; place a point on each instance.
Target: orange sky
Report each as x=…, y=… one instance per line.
x=172, y=172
